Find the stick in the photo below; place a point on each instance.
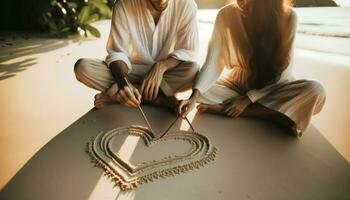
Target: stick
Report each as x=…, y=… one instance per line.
x=172, y=124
x=188, y=121
x=139, y=106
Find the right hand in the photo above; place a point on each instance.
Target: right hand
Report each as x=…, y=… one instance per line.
x=129, y=96
x=187, y=106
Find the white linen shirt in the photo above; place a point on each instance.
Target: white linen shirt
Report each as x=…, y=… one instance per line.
x=136, y=40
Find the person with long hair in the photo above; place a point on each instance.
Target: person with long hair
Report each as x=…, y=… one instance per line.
x=254, y=40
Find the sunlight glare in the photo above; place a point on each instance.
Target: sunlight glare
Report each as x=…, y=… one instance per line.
x=104, y=188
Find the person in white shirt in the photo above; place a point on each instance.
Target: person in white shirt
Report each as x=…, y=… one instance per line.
x=254, y=40
x=154, y=44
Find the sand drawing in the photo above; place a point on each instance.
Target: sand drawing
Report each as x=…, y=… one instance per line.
x=172, y=154
x=192, y=151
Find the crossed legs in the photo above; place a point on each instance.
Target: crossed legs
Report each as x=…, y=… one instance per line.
x=254, y=110
x=291, y=105
x=95, y=74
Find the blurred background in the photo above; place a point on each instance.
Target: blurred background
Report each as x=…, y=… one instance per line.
x=67, y=16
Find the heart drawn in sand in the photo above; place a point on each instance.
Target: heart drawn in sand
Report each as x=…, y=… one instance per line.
x=174, y=153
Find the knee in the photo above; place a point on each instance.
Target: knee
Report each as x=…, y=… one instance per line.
x=315, y=88
x=81, y=67
x=192, y=69
x=318, y=93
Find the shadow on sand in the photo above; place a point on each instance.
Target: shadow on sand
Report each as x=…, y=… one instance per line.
x=10, y=70
x=12, y=49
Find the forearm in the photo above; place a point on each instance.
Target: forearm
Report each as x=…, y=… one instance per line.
x=119, y=71
x=169, y=63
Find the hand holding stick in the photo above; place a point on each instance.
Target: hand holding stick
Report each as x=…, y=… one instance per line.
x=139, y=106
x=148, y=124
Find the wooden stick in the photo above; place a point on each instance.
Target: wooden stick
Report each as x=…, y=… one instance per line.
x=139, y=106
x=188, y=121
x=172, y=124
x=167, y=130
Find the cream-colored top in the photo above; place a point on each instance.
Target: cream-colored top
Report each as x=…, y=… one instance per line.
x=138, y=41
x=229, y=47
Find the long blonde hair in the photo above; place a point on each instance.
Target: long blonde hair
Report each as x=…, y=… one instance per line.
x=264, y=29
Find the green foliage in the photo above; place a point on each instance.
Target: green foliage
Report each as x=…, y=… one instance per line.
x=72, y=16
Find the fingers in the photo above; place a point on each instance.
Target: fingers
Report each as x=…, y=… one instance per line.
x=146, y=91
x=142, y=87
x=138, y=95
x=228, y=108
x=155, y=92
x=231, y=113
x=120, y=98
x=231, y=109
x=184, y=108
x=131, y=97
x=181, y=107
x=238, y=113
x=124, y=96
x=150, y=91
x=234, y=112
x=185, y=113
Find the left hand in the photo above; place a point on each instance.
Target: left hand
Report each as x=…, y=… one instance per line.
x=151, y=82
x=185, y=106
x=235, y=107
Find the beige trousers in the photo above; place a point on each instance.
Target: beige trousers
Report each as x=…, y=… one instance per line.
x=95, y=74
x=298, y=100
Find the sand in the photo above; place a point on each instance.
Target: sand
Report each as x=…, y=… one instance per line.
x=173, y=153
x=255, y=160
x=41, y=98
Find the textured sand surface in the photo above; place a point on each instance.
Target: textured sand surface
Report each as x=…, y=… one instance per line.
x=255, y=160
x=40, y=96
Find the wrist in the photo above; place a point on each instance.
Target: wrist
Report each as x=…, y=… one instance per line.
x=121, y=83
x=168, y=63
x=119, y=71
x=195, y=94
x=247, y=100
x=161, y=67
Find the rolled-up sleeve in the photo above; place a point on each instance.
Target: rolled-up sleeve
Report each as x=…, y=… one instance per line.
x=186, y=47
x=118, y=41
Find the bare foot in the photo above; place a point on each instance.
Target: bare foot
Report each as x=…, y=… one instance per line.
x=216, y=108
x=102, y=100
